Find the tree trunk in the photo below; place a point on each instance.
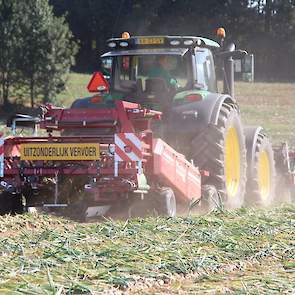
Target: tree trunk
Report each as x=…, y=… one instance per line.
x=45, y=95
x=32, y=88
x=5, y=91
x=268, y=16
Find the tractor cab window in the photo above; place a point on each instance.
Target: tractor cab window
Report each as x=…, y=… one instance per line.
x=205, y=71
x=106, y=67
x=134, y=72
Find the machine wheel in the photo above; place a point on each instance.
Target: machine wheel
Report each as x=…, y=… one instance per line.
x=10, y=204
x=210, y=199
x=261, y=168
x=160, y=202
x=221, y=150
x=165, y=202
x=284, y=192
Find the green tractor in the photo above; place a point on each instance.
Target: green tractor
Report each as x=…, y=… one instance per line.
x=177, y=76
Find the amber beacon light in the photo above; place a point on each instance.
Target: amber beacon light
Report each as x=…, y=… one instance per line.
x=125, y=35
x=221, y=32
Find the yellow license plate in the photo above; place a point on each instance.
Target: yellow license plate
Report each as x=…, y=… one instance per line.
x=150, y=41
x=60, y=151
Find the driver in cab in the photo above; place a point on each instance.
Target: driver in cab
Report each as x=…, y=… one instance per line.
x=161, y=70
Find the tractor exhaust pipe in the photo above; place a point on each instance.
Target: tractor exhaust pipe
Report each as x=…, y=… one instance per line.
x=229, y=71
x=227, y=63
x=229, y=77
x=228, y=56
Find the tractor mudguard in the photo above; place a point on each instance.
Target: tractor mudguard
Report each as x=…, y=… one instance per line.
x=85, y=103
x=80, y=103
x=194, y=117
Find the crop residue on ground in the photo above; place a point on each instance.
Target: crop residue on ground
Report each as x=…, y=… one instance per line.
x=45, y=254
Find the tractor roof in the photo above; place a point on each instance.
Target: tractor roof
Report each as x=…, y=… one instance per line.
x=158, y=51
x=157, y=42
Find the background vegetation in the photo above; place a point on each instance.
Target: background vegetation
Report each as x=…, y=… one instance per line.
x=38, y=38
x=263, y=27
x=36, y=51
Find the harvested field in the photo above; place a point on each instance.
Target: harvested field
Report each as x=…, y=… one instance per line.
x=242, y=251
x=270, y=105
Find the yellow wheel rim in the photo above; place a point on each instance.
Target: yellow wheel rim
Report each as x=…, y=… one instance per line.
x=232, y=160
x=264, y=175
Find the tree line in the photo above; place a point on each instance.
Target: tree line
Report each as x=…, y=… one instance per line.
x=36, y=51
x=263, y=27
x=40, y=39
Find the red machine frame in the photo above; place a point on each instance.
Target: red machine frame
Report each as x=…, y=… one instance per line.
x=124, y=118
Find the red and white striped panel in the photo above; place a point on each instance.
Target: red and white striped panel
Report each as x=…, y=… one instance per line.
x=127, y=147
x=1, y=155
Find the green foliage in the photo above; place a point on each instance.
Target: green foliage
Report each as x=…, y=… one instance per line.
x=38, y=49
x=265, y=28
x=10, y=45
x=58, y=60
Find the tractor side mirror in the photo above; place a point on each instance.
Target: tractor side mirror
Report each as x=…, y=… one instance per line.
x=244, y=68
x=230, y=47
x=98, y=84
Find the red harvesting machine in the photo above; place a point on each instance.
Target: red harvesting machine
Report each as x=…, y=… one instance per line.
x=93, y=160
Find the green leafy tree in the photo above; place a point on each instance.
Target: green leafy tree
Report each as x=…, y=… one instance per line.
x=11, y=38
x=36, y=50
x=59, y=59
x=263, y=27
x=48, y=51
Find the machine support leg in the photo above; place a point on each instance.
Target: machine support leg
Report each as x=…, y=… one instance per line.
x=56, y=188
x=139, y=165
x=116, y=168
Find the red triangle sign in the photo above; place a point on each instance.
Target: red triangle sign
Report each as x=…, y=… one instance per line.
x=98, y=83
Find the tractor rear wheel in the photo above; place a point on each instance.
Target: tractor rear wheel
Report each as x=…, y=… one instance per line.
x=261, y=173
x=221, y=150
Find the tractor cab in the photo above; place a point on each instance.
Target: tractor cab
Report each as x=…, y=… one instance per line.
x=159, y=71
x=149, y=78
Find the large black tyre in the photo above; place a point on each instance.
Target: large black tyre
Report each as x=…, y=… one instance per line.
x=261, y=172
x=10, y=204
x=285, y=191
x=165, y=202
x=211, y=199
x=159, y=202
x=221, y=150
